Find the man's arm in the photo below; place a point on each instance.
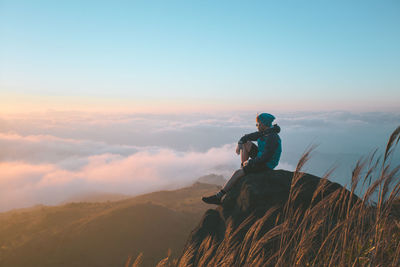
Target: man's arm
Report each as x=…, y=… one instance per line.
x=254, y=136
x=271, y=144
x=250, y=137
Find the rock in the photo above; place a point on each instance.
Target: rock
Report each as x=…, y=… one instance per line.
x=255, y=205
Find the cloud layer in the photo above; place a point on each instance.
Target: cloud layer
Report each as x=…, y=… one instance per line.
x=23, y=184
x=49, y=157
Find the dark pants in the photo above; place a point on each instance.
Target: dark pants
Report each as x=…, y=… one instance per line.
x=254, y=168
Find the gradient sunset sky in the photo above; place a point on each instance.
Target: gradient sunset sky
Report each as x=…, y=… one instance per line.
x=164, y=56
x=131, y=97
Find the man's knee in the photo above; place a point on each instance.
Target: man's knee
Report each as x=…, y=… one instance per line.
x=248, y=145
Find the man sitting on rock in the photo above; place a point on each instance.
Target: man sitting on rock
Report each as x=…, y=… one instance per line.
x=265, y=156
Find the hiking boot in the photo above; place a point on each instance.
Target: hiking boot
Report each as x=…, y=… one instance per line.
x=212, y=200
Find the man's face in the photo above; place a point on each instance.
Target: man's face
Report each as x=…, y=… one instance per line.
x=261, y=127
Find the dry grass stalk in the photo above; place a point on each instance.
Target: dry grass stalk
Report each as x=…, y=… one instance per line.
x=138, y=260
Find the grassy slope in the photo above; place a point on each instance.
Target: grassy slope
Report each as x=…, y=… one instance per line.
x=102, y=234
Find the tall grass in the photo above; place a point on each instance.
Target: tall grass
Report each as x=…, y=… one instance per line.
x=338, y=229
x=343, y=230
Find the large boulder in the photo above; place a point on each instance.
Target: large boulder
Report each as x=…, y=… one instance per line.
x=230, y=234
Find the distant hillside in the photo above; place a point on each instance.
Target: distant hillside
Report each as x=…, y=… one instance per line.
x=96, y=197
x=102, y=234
x=212, y=179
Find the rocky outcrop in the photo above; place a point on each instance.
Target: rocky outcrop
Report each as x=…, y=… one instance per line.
x=246, y=229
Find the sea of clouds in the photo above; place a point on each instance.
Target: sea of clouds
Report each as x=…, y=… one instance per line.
x=49, y=157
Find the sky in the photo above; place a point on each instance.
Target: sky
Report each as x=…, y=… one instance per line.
x=131, y=97
x=174, y=56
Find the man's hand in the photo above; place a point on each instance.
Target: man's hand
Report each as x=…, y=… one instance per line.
x=245, y=163
x=238, y=148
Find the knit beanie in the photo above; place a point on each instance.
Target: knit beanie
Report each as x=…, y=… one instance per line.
x=266, y=119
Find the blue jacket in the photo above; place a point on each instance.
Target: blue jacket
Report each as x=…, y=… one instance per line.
x=269, y=146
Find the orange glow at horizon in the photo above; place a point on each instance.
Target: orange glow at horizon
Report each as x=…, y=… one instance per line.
x=24, y=103
x=10, y=104
x=29, y=103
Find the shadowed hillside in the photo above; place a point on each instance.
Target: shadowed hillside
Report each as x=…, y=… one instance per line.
x=102, y=234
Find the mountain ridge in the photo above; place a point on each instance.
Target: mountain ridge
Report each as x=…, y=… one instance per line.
x=102, y=234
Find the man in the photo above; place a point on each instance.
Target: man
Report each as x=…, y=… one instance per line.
x=265, y=156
